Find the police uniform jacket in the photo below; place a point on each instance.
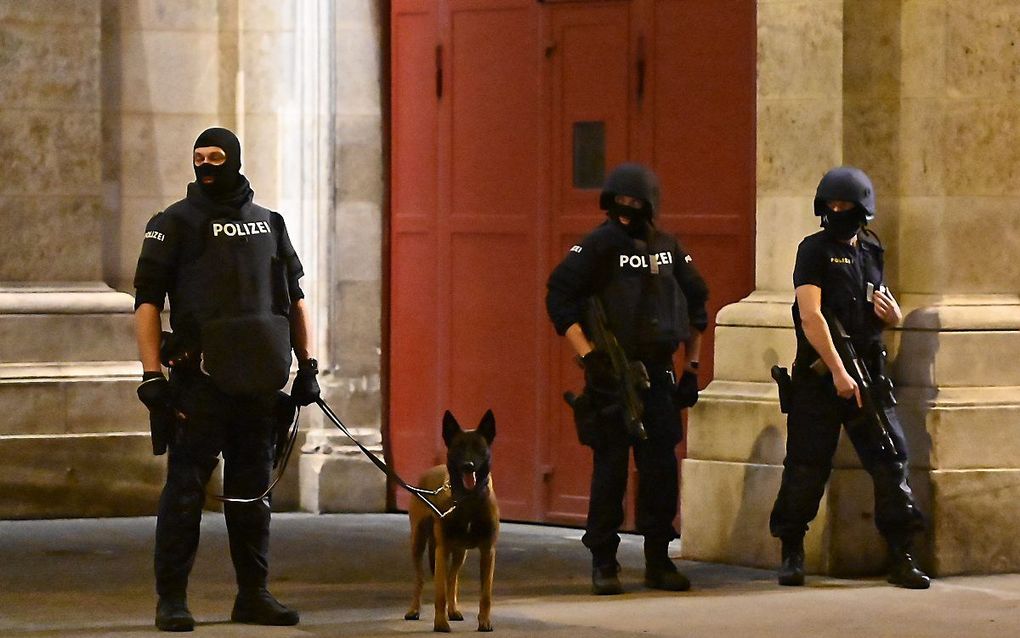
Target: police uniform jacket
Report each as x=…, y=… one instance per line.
x=231, y=275
x=650, y=314
x=842, y=272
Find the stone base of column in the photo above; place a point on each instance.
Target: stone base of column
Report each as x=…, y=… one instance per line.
x=74, y=440
x=959, y=402
x=336, y=476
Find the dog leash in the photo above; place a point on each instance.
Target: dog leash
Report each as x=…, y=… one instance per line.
x=284, y=458
x=421, y=493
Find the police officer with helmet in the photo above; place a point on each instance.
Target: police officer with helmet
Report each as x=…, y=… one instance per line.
x=237, y=313
x=840, y=271
x=654, y=300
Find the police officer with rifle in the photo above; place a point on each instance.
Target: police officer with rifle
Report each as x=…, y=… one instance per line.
x=625, y=298
x=841, y=307
x=237, y=313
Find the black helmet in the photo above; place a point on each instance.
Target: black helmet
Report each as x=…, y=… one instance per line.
x=632, y=180
x=847, y=184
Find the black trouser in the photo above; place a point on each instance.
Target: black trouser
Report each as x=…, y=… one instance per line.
x=655, y=458
x=813, y=426
x=242, y=429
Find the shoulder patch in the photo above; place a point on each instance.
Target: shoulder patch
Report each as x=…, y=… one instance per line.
x=155, y=234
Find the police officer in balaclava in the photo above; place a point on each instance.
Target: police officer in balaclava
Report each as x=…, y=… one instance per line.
x=839, y=271
x=237, y=315
x=654, y=301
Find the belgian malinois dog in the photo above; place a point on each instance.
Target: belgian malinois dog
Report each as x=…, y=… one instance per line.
x=464, y=484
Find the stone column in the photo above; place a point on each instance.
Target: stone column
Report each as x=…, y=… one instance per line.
x=70, y=443
x=335, y=475
x=921, y=94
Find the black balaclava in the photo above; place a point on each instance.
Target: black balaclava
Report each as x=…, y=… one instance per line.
x=843, y=225
x=228, y=174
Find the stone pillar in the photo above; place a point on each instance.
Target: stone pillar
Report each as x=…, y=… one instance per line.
x=70, y=440
x=335, y=475
x=920, y=94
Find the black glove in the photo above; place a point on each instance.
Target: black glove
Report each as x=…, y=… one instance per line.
x=156, y=394
x=305, y=389
x=600, y=380
x=685, y=394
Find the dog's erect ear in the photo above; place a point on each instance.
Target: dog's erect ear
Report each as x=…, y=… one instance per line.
x=487, y=427
x=450, y=428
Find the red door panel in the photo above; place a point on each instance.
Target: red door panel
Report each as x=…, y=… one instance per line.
x=414, y=407
x=589, y=76
x=505, y=115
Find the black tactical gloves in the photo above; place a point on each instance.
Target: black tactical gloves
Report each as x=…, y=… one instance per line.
x=305, y=390
x=157, y=396
x=600, y=380
x=685, y=395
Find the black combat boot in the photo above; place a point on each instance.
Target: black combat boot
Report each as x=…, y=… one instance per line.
x=605, y=579
x=172, y=614
x=660, y=572
x=903, y=572
x=791, y=572
x=258, y=607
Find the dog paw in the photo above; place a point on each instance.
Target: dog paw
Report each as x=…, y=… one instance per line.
x=455, y=615
x=442, y=627
x=411, y=615
x=484, y=626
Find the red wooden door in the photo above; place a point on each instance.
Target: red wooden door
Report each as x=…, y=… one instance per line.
x=505, y=116
x=472, y=279
x=589, y=79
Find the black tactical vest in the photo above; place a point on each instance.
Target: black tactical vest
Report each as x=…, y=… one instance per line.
x=647, y=311
x=231, y=294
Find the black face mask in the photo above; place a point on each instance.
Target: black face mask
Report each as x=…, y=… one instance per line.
x=639, y=222
x=843, y=226
x=226, y=176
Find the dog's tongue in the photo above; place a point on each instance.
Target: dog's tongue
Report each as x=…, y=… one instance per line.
x=469, y=480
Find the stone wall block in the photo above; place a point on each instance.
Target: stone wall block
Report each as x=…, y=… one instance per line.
x=982, y=51
x=974, y=520
x=747, y=353
x=738, y=428
x=798, y=140
x=923, y=48
x=262, y=162
x=984, y=160
x=358, y=63
x=344, y=481
x=54, y=238
x=973, y=437
x=359, y=334
x=51, y=152
x=78, y=13
x=781, y=223
x=50, y=337
x=800, y=49
x=360, y=172
x=269, y=78
x=924, y=149
x=75, y=476
x=169, y=72
x=48, y=66
x=363, y=224
x=170, y=15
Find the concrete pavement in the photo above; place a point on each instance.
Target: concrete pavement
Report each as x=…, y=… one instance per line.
x=349, y=575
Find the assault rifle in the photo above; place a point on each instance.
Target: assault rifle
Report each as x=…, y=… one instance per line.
x=876, y=394
x=631, y=376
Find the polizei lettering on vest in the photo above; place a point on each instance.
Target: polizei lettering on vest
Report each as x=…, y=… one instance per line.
x=641, y=261
x=240, y=229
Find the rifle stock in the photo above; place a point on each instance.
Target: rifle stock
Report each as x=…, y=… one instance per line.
x=631, y=376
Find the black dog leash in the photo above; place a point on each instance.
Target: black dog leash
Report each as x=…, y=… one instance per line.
x=379, y=463
x=281, y=466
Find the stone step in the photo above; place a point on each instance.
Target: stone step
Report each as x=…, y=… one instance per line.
x=66, y=323
x=45, y=399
